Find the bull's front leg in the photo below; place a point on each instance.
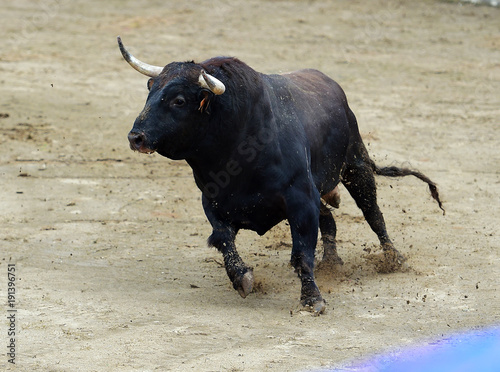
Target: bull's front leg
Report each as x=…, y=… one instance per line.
x=304, y=219
x=239, y=273
x=222, y=238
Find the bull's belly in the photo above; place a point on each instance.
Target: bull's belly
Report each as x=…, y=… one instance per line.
x=260, y=224
x=256, y=213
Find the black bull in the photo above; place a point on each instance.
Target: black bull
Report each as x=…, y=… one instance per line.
x=264, y=148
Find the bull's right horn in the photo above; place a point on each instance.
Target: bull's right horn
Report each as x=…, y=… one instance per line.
x=211, y=83
x=143, y=68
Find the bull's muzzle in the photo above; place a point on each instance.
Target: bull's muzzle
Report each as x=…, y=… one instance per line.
x=138, y=143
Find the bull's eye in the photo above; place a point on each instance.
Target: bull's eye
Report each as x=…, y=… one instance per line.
x=179, y=101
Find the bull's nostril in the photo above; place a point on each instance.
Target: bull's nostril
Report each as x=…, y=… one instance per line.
x=136, y=140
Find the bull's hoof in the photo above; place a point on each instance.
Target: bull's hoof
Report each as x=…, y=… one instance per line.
x=330, y=262
x=390, y=261
x=315, y=305
x=245, y=284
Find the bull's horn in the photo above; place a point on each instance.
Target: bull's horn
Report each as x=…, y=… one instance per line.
x=213, y=84
x=143, y=68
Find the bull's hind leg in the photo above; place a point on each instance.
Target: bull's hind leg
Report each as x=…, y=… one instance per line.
x=359, y=180
x=328, y=230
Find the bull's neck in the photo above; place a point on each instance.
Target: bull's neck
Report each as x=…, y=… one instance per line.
x=221, y=161
x=214, y=153
x=241, y=127
x=213, y=172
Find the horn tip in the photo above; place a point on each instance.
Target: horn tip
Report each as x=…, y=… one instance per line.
x=124, y=51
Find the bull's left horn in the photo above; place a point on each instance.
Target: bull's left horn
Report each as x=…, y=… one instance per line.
x=213, y=84
x=143, y=68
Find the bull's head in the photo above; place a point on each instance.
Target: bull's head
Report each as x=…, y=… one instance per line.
x=172, y=120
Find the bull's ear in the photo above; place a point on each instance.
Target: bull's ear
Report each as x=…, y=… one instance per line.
x=205, y=96
x=150, y=83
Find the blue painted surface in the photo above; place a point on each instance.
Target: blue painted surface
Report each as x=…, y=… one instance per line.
x=477, y=351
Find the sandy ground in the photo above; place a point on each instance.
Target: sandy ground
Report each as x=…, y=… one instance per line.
x=109, y=246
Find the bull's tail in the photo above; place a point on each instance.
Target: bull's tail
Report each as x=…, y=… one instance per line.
x=401, y=172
